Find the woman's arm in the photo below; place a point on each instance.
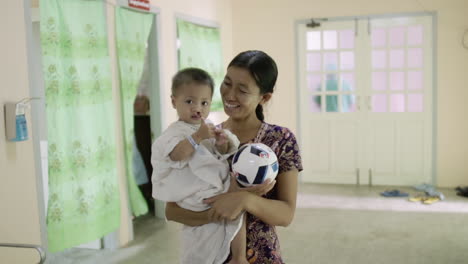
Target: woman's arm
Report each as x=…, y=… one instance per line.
x=191, y=218
x=186, y=217
x=277, y=212
x=274, y=212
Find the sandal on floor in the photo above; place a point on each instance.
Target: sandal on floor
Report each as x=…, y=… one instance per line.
x=417, y=198
x=394, y=193
x=431, y=200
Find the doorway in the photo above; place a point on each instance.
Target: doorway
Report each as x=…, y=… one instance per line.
x=39, y=120
x=366, y=99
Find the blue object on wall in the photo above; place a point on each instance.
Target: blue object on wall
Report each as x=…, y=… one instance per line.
x=21, y=128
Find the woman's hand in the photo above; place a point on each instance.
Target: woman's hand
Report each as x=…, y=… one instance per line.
x=227, y=205
x=259, y=190
x=231, y=204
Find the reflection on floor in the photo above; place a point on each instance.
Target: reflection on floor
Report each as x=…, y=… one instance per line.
x=333, y=224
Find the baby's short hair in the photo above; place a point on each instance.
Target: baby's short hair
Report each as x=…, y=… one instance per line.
x=191, y=75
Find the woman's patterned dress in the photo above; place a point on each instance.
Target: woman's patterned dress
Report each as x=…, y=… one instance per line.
x=262, y=241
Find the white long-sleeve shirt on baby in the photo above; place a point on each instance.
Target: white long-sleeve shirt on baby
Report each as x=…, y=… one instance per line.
x=188, y=182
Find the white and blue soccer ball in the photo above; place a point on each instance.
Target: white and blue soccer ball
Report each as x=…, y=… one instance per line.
x=254, y=163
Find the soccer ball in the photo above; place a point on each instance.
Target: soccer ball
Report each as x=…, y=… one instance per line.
x=254, y=163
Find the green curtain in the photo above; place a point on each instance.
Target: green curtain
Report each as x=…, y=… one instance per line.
x=200, y=47
x=132, y=31
x=84, y=200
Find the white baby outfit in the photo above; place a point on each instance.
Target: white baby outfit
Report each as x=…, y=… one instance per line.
x=188, y=182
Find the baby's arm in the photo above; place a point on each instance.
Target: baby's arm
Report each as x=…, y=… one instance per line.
x=184, y=149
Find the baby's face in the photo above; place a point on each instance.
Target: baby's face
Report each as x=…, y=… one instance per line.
x=192, y=102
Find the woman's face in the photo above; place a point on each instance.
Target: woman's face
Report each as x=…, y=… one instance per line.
x=240, y=93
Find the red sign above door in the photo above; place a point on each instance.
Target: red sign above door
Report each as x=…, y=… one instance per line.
x=140, y=4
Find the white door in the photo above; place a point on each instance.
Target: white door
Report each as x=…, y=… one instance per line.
x=330, y=118
x=399, y=101
x=365, y=96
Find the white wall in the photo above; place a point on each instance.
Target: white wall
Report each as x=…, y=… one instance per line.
x=19, y=213
x=269, y=25
x=218, y=11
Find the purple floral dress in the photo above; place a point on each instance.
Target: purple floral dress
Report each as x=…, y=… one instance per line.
x=262, y=241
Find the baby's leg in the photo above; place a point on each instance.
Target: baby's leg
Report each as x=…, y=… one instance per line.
x=239, y=244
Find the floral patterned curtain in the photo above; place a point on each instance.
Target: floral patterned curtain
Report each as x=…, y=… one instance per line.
x=84, y=200
x=132, y=32
x=200, y=46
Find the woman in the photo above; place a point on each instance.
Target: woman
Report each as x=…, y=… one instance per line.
x=247, y=86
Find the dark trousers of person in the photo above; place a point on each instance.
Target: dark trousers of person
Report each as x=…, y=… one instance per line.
x=142, y=126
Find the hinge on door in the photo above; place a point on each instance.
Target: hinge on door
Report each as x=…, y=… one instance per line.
x=369, y=103
x=356, y=27
x=358, y=176
x=368, y=26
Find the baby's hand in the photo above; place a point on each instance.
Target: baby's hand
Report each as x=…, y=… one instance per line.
x=220, y=137
x=206, y=130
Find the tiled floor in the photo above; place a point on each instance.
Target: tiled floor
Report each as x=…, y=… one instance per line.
x=333, y=224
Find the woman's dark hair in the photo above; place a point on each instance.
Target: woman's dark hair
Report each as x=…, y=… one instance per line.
x=263, y=69
x=191, y=75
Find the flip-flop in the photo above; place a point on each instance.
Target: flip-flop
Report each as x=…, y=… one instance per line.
x=431, y=200
x=394, y=193
x=417, y=198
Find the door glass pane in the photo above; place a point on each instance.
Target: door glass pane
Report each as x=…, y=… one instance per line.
x=332, y=103
x=397, y=36
x=415, y=58
x=347, y=60
x=330, y=39
x=315, y=104
x=314, y=61
x=379, y=59
x=379, y=38
x=347, y=82
x=397, y=103
x=397, y=58
x=415, y=102
x=415, y=80
x=415, y=35
x=348, y=103
x=331, y=82
x=314, y=82
x=379, y=81
x=397, y=80
x=379, y=103
x=330, y=61
x=347, y=39
x=314, y=40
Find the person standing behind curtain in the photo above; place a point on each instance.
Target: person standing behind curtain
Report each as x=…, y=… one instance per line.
x=141, y=159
